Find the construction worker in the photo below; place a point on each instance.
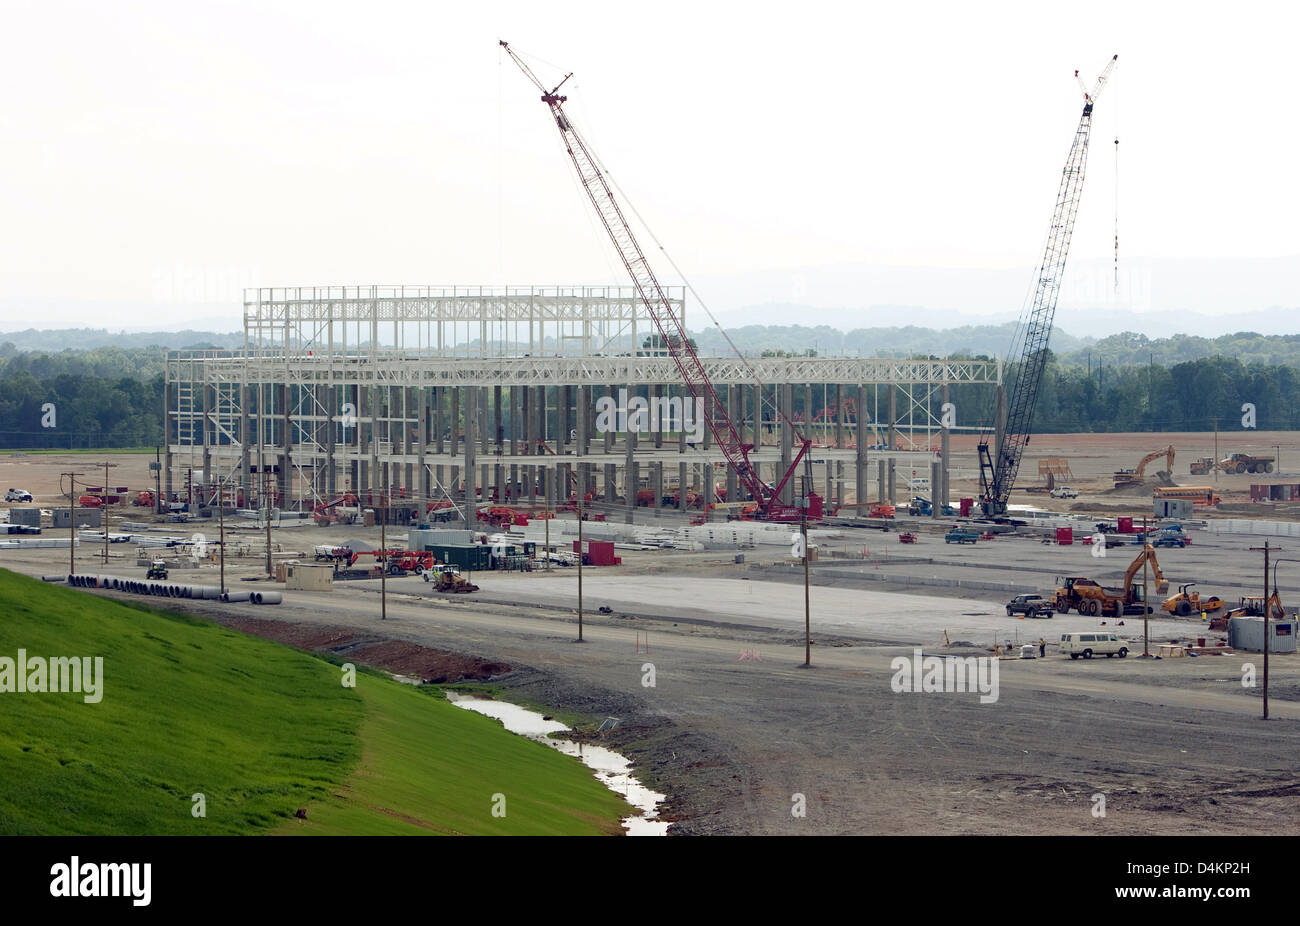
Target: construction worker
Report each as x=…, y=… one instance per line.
x=1042, y=648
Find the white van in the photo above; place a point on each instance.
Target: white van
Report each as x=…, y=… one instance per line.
x=1094, y=643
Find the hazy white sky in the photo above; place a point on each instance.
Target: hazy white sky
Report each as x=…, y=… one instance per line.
x=158, y=155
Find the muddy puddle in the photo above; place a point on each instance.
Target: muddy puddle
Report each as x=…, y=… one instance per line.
x=614, y=771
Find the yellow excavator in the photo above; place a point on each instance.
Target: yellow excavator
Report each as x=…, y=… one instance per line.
x=1251, y=606
x=1091, y=598
x=1130, y=477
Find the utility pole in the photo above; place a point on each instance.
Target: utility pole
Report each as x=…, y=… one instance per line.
x=157, y=480
x=103, y=505
x=1215, y=467
x=580, y=556
x=72, y=520
x=1146, y=599
x=1268, y=611
x=807, y=608
x=383, y=555
x=221, y=527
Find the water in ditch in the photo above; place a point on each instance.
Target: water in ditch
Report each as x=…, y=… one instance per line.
x=613, y=770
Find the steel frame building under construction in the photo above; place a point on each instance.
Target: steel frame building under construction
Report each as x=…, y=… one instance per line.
x=464, y=395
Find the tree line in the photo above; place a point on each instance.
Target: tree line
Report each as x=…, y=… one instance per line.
x=113, y=397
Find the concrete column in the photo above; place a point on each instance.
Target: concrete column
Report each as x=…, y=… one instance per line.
x=610, y=487
x=736, y=412
x=710, y=413
x=471, y=419
x=540, y=432
x=631, y=476
x=681, y=486
x=787, y=441
x=526, y=423
x=421, y=487
x=893, y=416
x=839, y=482
x=860, y=430
x=169, y=433
x=245, y=446
x=881, y=495
x=563, y=399
x=514, y=421
x=657, y=485
x=439, y=422
x=893, y=467
x=582, y=416
x=455, y=421
x=285, y=482
x=205, y=392
x=936, y=478
x=941, y=493
x=839, y=417
x=756, y=400
x=609, y=433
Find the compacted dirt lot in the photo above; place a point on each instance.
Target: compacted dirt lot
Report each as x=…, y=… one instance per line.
x=720, y=714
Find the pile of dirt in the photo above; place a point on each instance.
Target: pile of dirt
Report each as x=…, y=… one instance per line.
x=400, y=657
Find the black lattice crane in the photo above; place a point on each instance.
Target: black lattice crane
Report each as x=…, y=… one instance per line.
x=998, y=468
x=672, y=332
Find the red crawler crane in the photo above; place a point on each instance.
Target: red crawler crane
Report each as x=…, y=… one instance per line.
x=671, y=331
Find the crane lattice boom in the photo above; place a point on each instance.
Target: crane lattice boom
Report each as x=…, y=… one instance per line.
x=998, y=476
x=672, y=332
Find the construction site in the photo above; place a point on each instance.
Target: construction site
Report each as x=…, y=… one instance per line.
x=503, y=472
x=449, y=401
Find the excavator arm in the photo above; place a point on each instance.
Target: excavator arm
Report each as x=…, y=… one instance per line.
x=1148, y=554
x=1168, y=453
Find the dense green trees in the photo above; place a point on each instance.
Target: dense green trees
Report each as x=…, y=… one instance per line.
x=113, y=396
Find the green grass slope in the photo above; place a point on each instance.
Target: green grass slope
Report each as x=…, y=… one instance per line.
x=257, y=728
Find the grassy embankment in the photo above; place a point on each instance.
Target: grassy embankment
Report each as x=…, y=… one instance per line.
x=260, y=730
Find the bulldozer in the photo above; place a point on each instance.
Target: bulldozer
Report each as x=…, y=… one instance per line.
x=1188, y=602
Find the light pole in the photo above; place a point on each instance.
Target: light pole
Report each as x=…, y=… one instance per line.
x=103, y=505
x=1267, y=613
x=580, y=557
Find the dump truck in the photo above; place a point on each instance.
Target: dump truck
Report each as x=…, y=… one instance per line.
x=1247, y=463
x=1089, y=597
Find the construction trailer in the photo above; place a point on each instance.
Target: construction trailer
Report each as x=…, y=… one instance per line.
x=1172, y=507
x=1247, y=633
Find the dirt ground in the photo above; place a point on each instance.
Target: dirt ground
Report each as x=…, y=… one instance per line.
x=736, y=731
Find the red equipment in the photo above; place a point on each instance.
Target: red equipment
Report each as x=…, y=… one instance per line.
x=672, y=333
